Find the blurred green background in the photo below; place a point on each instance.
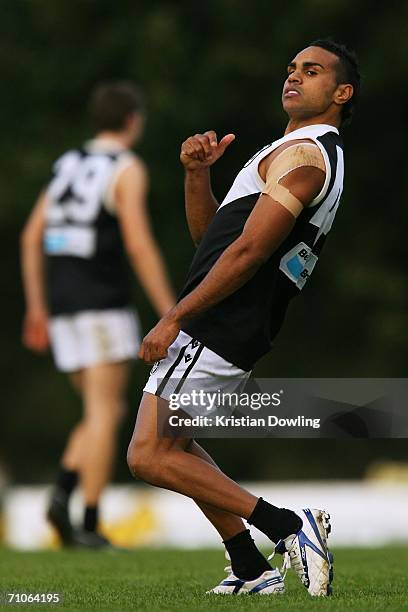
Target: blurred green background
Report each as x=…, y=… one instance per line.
x=210, y=65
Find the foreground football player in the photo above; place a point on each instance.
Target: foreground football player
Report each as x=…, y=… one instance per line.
x=91, y=214
x=255, y=252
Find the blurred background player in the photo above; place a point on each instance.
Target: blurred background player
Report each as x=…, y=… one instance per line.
x=90, y=215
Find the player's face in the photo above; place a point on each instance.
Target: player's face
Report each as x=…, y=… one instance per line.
x=310, y=87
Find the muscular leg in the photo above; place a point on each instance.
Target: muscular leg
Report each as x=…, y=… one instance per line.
x=103, y=389
x=181, y=465
x=164, y=462
x=247, y=562
x=227, y=524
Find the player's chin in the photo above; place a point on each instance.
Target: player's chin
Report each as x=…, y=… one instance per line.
x=295, y=102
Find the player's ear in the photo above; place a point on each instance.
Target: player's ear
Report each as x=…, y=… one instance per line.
x=343, y=93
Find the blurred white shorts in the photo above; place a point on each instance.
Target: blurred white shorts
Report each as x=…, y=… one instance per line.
x=87, y=338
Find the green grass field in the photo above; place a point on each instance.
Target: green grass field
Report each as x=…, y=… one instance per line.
x=177, y=580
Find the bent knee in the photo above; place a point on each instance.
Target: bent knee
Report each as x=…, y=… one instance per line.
x=143, y=462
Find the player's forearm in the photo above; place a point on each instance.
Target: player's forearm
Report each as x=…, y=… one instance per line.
x=236, y=266
x=150, y=269
x=201, y=205
x=33, y=274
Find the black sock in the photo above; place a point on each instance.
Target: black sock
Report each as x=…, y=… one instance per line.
x=91, y=518
x=276, y=523
x=67, y=480
x=247, y=561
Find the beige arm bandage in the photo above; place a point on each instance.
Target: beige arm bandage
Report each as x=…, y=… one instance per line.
x=295, y=156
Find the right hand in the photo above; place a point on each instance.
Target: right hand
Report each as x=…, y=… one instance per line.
x=202, y=150
x=35, y=330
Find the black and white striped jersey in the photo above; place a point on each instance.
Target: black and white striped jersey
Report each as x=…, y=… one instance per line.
x=242, y=326
x=87, y=268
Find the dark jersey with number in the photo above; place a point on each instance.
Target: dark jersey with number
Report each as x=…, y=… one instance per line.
x=242, y=326
x=86, y=264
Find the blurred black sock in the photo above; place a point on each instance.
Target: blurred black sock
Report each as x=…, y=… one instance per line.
x=247, y=561
x=91, y=518
x=276, y=523
x=67, y=480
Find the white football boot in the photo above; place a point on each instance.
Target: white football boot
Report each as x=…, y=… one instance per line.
x=268, y=583
x=308, y=555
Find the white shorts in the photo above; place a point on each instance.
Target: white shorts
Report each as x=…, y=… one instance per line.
x=91, y=337
x=189, y=360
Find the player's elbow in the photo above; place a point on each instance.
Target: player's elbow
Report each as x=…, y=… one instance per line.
x=250, y=252
x=196, y=239
x=196, y=235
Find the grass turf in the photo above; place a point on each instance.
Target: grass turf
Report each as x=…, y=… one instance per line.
x=176, y=580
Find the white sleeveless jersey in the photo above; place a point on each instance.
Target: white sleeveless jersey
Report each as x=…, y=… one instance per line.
x=242, y=326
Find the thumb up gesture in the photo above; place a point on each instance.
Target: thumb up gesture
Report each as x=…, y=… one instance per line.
x=203, y=150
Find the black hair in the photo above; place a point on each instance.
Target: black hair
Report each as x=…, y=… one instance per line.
x=347, y=70
x=111, y=103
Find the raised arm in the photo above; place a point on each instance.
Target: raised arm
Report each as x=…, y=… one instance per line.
x=198, y=153
x=140, y=245
x=266, y=228
x=35, y=326
x=270, y=222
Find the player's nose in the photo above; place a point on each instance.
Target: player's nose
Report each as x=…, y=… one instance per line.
x=294, y=77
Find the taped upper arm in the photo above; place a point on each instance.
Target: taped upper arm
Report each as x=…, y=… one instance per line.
x=296, y=176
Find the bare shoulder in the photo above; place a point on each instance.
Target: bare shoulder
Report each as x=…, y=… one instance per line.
x=136, y=164
x=134, y=172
